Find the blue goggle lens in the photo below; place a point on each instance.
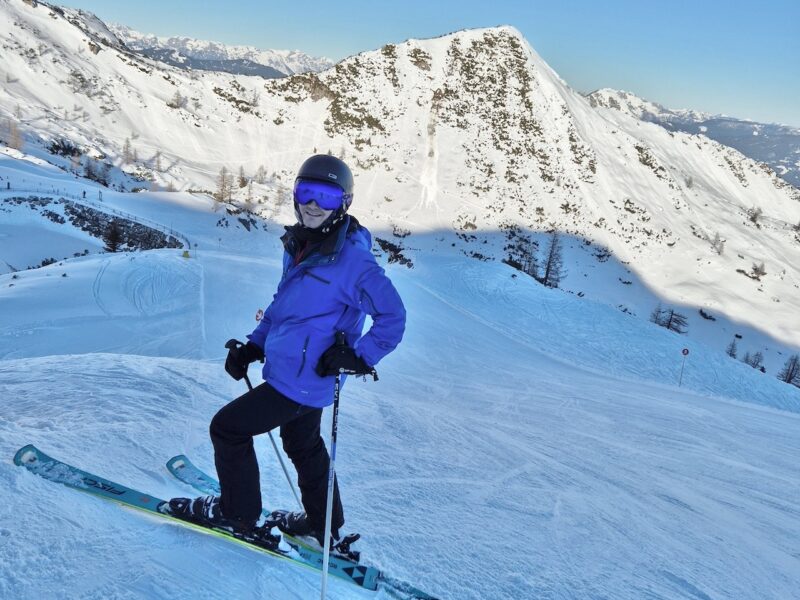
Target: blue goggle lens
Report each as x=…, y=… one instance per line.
x=327, y=195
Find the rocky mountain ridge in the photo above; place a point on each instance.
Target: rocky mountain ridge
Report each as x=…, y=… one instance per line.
x=771, y=143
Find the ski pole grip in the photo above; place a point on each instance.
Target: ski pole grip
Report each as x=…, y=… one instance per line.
x=341, y=340
x=233, y=343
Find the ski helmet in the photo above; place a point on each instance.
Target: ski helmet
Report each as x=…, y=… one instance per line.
x=328, y=169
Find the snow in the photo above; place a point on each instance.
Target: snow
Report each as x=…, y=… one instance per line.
x=521, y=442
x=18, y=252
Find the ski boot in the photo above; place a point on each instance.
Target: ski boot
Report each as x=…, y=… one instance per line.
x=206, y=511
x=297, y=525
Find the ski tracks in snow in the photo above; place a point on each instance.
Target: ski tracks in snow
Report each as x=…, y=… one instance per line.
x=96, y=288
x=151, y=295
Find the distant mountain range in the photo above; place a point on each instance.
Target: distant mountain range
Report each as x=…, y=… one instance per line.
x=773, y=144
x=239, y=66
x=204, y=55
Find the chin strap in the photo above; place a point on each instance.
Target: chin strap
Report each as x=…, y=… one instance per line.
x=333, y=220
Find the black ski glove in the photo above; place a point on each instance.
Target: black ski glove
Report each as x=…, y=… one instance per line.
x=342, y=359
x=240, y=356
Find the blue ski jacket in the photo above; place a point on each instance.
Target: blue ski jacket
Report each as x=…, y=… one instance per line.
x=332, y=289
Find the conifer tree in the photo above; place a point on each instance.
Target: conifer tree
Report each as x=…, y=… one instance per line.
x=261, y=175
x=675, y=321
x=112, y=236
x=657, y=316
x=528, y=261
x=553, y=268
x=222, y=185
x=127, y=153
x=756, y=360
x=791, y=371
x=15, y=137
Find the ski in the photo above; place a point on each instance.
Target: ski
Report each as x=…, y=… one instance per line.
x=39, y=463
x=185, y=470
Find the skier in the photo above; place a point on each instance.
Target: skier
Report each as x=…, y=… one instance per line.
x=330, y=282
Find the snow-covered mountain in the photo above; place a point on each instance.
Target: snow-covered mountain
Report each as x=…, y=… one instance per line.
x=469, y=141
x=775, y=145
x=213, y=56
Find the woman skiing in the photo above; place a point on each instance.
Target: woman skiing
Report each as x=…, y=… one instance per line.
x=330, y=282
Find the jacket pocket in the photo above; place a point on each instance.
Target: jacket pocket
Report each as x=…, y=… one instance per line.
x=303, y=357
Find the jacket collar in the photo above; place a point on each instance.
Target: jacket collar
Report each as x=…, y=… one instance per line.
x=328, y=249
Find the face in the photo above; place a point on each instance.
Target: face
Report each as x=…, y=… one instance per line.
x=313, y=215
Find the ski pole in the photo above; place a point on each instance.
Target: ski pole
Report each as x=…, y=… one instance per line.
x=233, y=344
x=340, y=341
x=331, y=477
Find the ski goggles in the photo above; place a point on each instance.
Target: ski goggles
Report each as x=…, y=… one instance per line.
x=328, y=196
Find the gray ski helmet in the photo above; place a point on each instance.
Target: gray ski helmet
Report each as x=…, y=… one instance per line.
x=324, y=167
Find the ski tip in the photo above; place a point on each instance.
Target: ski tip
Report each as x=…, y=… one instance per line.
x=26, y=455
x=177, y=462
x=403, y=589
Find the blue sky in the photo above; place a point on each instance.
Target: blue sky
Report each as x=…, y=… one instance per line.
x=734, y=57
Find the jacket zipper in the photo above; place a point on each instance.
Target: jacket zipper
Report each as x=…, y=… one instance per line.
x=303, y=361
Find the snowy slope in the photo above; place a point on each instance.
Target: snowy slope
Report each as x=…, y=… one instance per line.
x=470, y=136
x=521, y=442
x=773, y=144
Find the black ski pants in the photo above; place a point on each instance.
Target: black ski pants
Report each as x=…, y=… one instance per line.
x=258, y=411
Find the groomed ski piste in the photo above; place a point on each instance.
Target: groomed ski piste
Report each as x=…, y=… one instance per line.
x=521, y=442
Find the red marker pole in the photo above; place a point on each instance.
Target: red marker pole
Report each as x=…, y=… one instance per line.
x=685, y=353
